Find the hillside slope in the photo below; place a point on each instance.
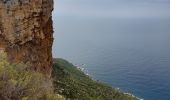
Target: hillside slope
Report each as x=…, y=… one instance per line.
x=75, y=85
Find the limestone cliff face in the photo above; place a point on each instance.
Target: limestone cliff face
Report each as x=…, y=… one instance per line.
x=26, y=32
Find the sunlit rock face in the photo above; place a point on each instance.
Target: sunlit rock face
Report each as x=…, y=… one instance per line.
x=26, y=32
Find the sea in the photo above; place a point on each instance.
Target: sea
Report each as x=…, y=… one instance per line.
x=132, y=54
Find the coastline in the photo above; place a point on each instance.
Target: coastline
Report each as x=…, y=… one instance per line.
x=74, y=84
x=81, y=68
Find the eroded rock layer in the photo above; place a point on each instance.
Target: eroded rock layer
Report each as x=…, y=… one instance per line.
x=26, y=32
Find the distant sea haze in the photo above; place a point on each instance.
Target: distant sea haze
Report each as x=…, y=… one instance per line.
x=130, y=54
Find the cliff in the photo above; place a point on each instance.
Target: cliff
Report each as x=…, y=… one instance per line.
x=26, y=32
x=26, y=35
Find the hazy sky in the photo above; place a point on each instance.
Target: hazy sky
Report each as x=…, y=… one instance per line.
x=113, y=8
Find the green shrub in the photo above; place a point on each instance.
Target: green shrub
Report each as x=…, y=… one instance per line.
x=17, y=82
x=75, y=85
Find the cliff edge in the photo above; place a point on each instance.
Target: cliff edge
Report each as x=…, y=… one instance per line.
x=26, y=32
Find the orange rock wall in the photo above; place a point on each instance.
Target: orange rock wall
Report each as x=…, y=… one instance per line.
x=26, y=32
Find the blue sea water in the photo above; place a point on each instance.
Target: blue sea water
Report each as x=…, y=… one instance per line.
x=131, y=54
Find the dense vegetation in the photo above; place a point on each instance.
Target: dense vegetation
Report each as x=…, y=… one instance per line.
x=75, y=85
x=17, y=82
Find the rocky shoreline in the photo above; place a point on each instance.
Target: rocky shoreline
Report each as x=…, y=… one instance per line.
x=81, y=68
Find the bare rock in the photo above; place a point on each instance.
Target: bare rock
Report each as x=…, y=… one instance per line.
x=26, y=32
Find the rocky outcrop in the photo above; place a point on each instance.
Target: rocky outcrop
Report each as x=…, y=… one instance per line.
x=26, y=32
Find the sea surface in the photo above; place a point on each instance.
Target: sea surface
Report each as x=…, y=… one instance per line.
x=130, y=54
